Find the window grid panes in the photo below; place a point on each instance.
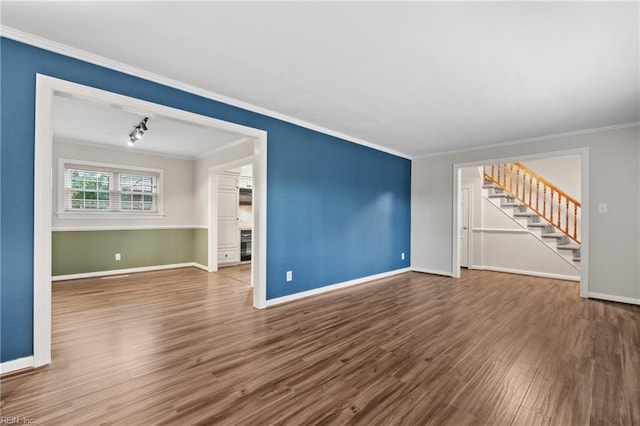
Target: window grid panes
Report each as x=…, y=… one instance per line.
x=110, y=191
x=90, y=190
x=136, y=192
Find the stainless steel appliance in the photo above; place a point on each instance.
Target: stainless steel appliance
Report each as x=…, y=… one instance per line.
x=246, y=196
x=245, y=245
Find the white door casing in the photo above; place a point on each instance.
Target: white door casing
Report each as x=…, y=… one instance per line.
x=584, y=223
x=464, y=226
x=48, y=87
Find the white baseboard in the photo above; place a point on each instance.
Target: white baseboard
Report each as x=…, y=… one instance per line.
x=200, y=266
x=433, y=272
x=16, y=364
x=613, y=298
x=531, y=273
x=126, y=271
x=333, y=287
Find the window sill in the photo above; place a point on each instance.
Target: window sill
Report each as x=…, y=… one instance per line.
x=110, y=215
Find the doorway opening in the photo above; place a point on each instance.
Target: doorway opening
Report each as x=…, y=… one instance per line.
x=232, y=216
x=47, y=90
x=519, y=222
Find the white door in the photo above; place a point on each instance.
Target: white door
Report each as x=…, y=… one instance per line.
x=464, y=227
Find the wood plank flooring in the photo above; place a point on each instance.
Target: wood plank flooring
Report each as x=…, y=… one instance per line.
x=186, y=347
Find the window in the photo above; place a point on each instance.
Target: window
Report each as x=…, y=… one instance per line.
x=94, y=188
x=89, y=189
x=137, y=192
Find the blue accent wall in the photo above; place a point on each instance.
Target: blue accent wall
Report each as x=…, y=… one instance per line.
x=337, y=211
x=340, y=211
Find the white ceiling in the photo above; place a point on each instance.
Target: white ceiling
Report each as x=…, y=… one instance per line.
x=416, y=77
x=90, y=122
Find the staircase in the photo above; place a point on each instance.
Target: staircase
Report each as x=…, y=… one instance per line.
x=537, y=205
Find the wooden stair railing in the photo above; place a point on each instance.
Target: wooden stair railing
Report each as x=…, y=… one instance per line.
x=547, y=200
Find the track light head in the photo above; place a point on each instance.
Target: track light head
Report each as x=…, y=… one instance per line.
x=138, y=131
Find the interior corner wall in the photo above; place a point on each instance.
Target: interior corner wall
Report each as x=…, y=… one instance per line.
x=336, y=211
x=614, y=168
x=200, y=240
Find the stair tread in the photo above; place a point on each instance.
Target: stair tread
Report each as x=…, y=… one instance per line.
x=550, y=233
x=538, y=224
x=568, y=247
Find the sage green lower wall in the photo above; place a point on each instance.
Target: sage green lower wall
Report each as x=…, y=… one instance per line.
x=78, y=252
x=201, y=246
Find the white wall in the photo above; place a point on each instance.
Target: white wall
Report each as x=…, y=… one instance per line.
x=186, y=182
x=614, y=178
x=564, y=172
x=247, y=170
x=178, y=189
x=506, y=246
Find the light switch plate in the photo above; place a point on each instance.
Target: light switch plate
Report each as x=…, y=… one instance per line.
x=602, y=208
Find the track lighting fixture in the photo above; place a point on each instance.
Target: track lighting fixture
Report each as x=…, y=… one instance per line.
x=138, y=131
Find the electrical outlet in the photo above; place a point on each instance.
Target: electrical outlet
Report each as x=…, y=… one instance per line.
x=402, y=256
x=289, y=275
x=118, y=257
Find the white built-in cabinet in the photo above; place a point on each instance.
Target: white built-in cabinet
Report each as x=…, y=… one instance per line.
x=228, y=204
x=245, y=182
x=246, y=177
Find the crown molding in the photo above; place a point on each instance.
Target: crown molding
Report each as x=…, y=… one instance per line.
x=85, y=56
x=535, y=139
x=94, y=59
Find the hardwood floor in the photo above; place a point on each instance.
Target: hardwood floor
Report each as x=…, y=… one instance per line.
x=186, y=347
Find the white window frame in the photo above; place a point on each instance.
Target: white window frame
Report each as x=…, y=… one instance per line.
x=117, y=169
